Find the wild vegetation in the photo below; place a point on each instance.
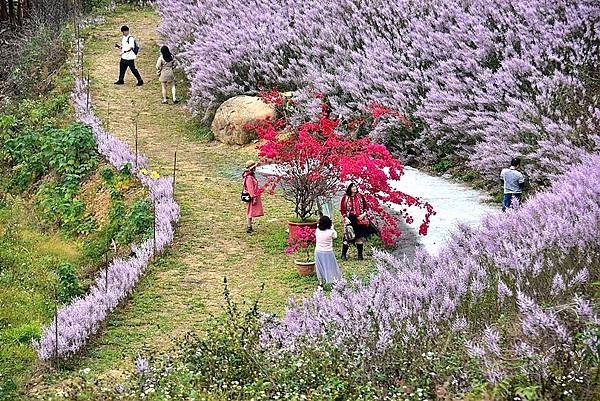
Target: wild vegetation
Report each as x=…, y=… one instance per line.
x=506, y=311
x=60, y=208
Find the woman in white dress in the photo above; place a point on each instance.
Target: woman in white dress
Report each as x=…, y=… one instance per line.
x=164, y=70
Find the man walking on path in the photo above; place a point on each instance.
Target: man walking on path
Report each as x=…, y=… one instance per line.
x=514, y=181
x=128, y=56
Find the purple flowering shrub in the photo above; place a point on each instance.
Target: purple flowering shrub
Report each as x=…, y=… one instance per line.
x=81, y=318
x=514, y=295
x=488, y=80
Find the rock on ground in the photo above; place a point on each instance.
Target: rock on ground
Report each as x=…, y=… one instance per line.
x=234, y=114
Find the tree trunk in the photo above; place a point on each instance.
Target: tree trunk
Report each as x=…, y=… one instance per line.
x=19, y=12
x=11, y=13
x=3, y=11
x=27, y=6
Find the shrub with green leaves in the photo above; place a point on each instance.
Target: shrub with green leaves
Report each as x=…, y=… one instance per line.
x=68, y=282
x=56, y=160
x=126, y=223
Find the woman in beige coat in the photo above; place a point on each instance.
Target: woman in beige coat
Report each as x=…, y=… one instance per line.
x=164, y=69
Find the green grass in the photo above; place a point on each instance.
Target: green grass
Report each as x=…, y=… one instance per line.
x=28, y=262
x=200, y=132
x=183, y=288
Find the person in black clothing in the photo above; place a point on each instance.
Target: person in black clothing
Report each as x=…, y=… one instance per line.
x=128, y=56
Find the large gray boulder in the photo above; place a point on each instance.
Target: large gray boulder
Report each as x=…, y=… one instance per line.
x=234, y=114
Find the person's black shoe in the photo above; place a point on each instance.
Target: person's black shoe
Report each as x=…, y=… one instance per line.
x=175, y=101
x=140, y=83
x=249, y=230
x=360, y=248
x=345, y=252
x=120, y=83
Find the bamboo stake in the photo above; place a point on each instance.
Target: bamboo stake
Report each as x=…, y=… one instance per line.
x=174, y=170
x=107, y=117
x=87, y=100
x=106, y=267
x=56, y=327
x=154, y=227
x=136, y=142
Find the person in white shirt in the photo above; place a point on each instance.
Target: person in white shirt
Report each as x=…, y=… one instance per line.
x=128, y=57
x=328, y=269
x=514, y=182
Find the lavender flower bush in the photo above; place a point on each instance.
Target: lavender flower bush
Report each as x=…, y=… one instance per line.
x=81, y=319
x=515, y=295
x=488, y=80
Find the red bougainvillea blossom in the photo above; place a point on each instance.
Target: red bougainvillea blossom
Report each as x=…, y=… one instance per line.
x=272, y=96
x=314, y=160
x=377, y=110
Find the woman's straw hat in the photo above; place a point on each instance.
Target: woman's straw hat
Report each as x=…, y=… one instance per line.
x=250, y=164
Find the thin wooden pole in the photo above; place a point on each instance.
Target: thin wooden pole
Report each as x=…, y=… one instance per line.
x=174, y=169
x=77, y=9
x=56, y=327
x=136, y=143
x=87, y=99
x=75, y=30
x=106, y=267
x=78, y=45
x=154, y=227
x=107, y=116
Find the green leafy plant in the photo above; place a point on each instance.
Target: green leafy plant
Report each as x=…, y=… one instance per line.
x=58, y=159
x=441, y=166
x=68, y=282
x=126, y=223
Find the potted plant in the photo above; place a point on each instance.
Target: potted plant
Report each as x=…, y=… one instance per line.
x=304, y=240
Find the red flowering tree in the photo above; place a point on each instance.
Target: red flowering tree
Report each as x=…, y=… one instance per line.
x=314, y=159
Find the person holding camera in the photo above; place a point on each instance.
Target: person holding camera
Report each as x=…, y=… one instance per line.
x=251, y=195
x=328, y=270
x=129, y=50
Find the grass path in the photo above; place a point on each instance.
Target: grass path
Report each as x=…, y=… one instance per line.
x=180, y=290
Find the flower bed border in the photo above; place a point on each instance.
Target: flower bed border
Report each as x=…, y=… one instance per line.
x=76, y=322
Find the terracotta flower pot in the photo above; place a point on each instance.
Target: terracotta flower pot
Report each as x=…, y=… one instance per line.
x=294, y=227
x=305, y=268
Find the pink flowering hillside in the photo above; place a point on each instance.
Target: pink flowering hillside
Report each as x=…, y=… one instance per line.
x=484, y=80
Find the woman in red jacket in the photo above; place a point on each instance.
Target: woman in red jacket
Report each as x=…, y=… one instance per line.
x=254, y=208
x=354, y=209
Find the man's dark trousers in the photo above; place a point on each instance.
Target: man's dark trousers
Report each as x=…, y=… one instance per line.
x=123, y=68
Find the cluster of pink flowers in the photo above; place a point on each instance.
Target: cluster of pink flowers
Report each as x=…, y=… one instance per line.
x=81, y=318
x=318, y=159
x=303, y=238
